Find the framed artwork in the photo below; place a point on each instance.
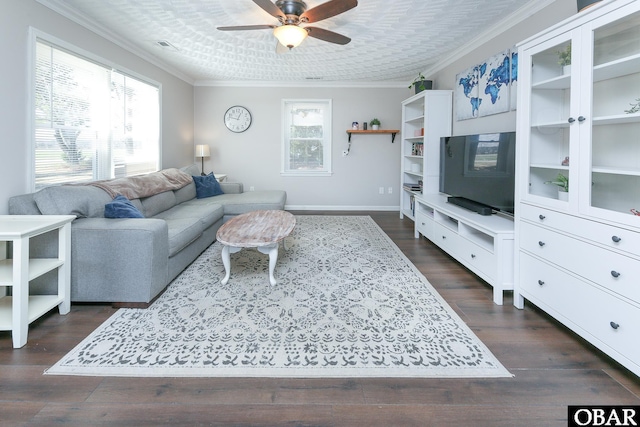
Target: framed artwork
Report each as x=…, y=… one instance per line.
x=493, y=81
x=466, y=94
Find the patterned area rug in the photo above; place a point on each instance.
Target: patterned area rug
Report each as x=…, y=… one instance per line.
x=348, y=303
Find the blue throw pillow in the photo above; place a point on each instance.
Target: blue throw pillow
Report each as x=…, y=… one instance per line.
x=121, y=207
x=207, y=186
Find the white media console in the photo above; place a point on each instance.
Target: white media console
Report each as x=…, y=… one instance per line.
x=483, y=244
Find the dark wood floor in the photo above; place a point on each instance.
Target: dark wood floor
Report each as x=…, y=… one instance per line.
x=553, y=369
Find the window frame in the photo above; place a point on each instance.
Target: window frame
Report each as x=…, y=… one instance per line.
x=326, y=138
x=36, y=36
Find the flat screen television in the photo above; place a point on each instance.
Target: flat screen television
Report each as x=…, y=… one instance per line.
x=478, y=171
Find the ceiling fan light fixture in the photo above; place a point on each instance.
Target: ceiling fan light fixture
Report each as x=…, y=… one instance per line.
x=290, y=35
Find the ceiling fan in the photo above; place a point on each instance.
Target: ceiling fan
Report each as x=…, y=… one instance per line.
x=292, y=13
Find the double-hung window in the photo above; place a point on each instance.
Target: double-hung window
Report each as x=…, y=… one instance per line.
x=306, y=149
x=91, y=121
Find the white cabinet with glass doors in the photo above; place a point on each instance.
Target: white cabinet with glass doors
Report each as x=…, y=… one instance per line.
x=578, y=254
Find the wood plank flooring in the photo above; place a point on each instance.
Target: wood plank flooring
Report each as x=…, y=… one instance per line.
x=553, y=368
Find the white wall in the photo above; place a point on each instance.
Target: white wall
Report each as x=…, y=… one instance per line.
x=254, y=156
x=16, y=16
x=445, y=78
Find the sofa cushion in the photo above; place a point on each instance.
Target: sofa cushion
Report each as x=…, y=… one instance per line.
x=235, y=204
x=187, y=192
x=182, y=231
x=83, y=201
x=157, y=203
x=207, y=186
x=206, y=213
x=121, y=207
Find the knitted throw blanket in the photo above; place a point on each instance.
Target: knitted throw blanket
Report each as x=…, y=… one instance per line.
x=136, y=187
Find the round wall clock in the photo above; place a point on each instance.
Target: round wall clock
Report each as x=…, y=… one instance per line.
x=237, y=119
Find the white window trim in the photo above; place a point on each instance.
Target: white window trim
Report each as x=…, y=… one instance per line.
x=284, y=146
x=34, y=35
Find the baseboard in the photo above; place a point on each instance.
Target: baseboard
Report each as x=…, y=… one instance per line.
x=341, y=208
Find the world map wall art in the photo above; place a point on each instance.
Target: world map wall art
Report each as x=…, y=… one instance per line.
x=487, y=88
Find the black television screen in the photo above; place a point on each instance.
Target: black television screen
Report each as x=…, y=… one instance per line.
x=479, y=168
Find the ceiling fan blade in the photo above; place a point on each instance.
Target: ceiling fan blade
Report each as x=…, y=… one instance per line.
x=270, y=8
x=328, y=9
x=326, y=35
x=246, y=27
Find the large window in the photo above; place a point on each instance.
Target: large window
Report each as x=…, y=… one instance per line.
x=306, y=137
x=90, y=121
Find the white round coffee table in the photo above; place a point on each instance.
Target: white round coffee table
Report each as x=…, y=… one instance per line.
x=262, y=230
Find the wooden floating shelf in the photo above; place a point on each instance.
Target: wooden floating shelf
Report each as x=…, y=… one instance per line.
x=393, y=132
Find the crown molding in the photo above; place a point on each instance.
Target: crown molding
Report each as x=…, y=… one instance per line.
x=311, y=83
x=510, y=21
x=100, y=30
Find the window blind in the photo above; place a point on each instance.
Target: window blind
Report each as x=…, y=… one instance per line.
x=91, y=122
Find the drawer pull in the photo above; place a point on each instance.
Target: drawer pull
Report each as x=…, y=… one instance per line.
x=540, y=282
x=615, y=238
x=473, y=255
x=571, y=120
x=581, y=119
x=444, y=237
x=615, y=273
x=541, y=243
x=542, y=217
x=614, y=325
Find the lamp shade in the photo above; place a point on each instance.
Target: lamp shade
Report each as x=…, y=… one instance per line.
x=202, y=151
x=290, y=35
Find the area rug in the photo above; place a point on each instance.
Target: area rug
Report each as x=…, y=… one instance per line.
x=348, y=303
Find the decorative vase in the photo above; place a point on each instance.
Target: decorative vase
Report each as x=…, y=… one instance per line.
x=563, y=195
x=583, y=4
x=566, y=69
x=417, y=86
x=375, y=127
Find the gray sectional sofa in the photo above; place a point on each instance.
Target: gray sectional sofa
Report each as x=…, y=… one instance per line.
x=130, y=261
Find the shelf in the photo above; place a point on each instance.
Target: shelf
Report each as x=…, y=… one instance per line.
x=416, y=139
x=412, y=156
x=617, y=119
x=548, y=166
x=556, y=124
x=418, y=174
x=415, y=119
x=393, y=132
x=560, y=82
x=37, y=267
x=617, y=68
x=38, y=305
x=615, y=170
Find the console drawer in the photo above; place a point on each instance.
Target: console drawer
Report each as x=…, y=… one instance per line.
x=611, y=270
x=603, y=234
x=424, y=225
x=591, y=311
x=446, y=238
x=477, y=257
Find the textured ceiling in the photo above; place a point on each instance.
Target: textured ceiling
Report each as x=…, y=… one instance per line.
x=391, y=40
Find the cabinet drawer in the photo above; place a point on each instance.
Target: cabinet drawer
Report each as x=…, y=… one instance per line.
x=603, y=234
x=445, y=238
x=609, y=269
x=424, y=225
x=476, y=257
x=612, y=321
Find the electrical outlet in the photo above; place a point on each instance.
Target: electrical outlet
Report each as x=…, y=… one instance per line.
x=252, y=188
x=381, y=190
x=390, y=190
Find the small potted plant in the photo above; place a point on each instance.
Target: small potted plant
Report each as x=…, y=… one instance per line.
x=563, y=186
x=420, y=83
x=375, y=124
x=564, y=59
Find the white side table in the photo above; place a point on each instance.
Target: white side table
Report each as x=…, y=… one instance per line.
x=17, y=311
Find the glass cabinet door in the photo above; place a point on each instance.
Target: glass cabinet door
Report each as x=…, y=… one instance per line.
x=614, y=164
x=552, y=130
